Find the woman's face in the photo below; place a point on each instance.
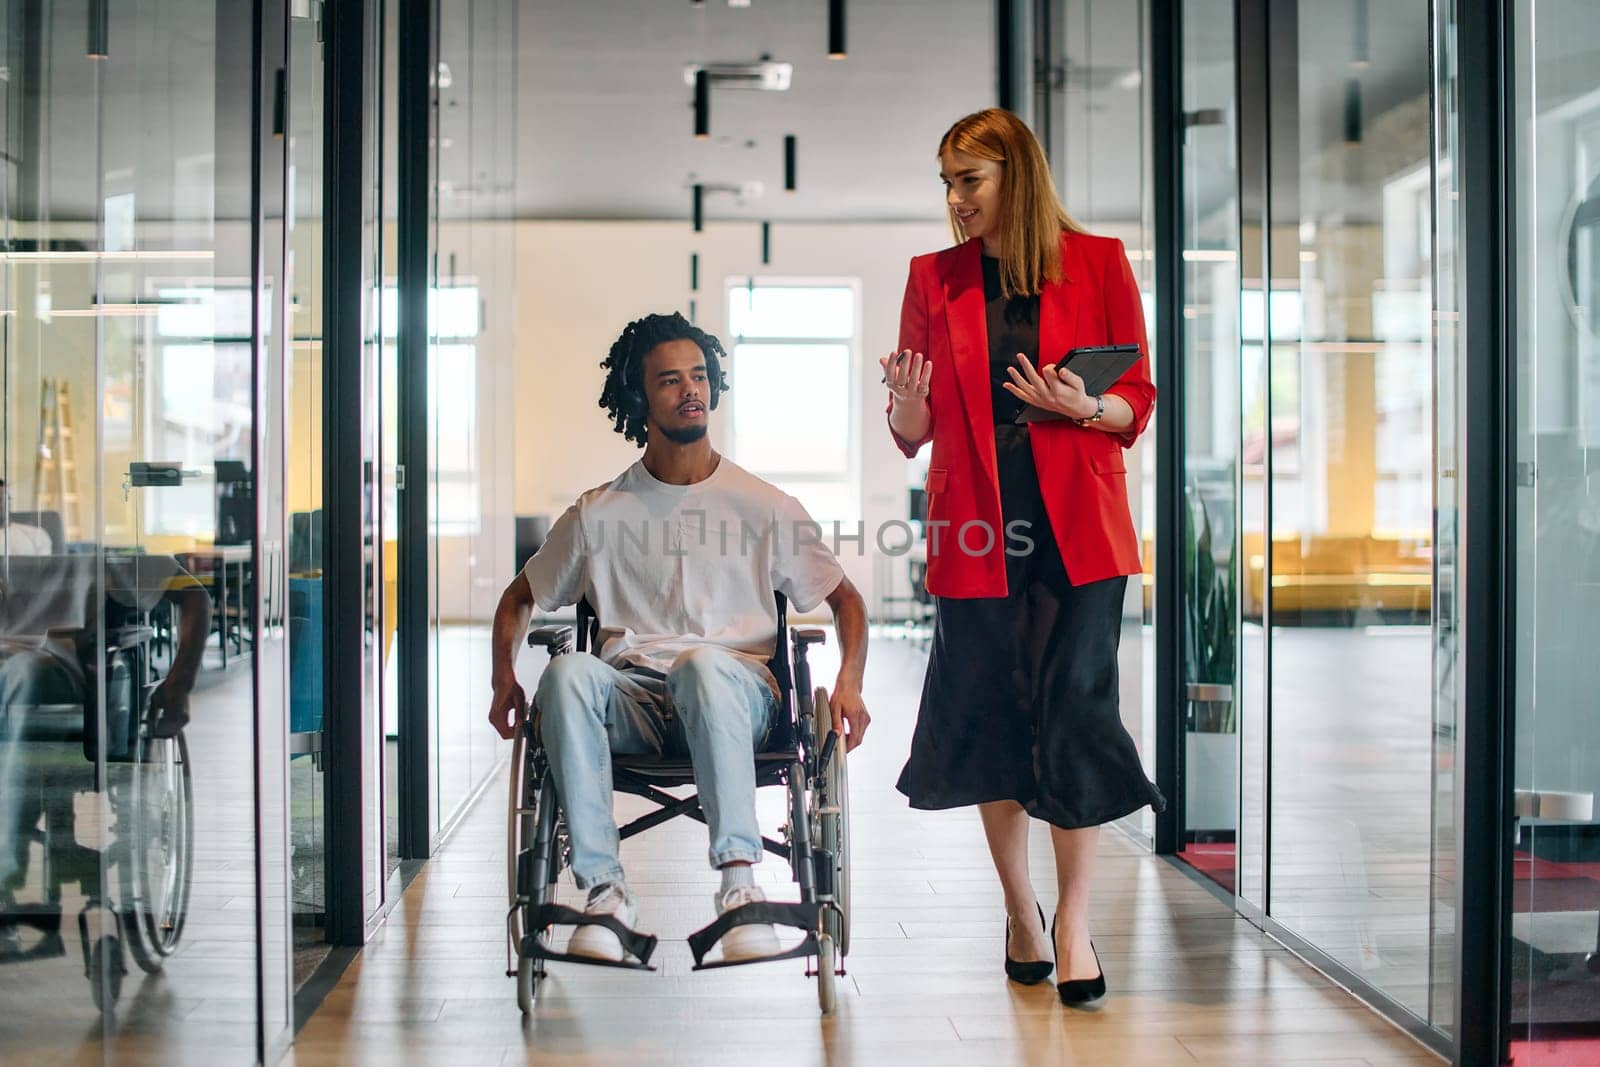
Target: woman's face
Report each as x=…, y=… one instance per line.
x=972, y=190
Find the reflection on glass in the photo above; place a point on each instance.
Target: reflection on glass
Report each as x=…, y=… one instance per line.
x=1555, y=962
x=307, y=844
x=129, y=573
x=1447, y=528
x=471, y=363
x=1212, y=323
x=1348, y=422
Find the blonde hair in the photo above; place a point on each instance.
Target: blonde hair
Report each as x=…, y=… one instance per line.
x=1031, y=216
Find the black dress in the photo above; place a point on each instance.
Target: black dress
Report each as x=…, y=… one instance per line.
x=1020, y=701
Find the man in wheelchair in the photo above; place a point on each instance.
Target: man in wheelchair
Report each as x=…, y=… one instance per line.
x=76, y=673
x=679, y=557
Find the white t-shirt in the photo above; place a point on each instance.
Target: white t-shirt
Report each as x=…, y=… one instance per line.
x=20, y=539
x=672, y=567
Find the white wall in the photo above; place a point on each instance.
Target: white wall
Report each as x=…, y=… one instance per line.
x=580, y=283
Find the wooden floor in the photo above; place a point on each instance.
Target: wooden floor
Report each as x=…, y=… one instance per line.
x=1190, y=982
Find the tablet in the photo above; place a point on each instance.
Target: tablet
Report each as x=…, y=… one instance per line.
x=1100, y=366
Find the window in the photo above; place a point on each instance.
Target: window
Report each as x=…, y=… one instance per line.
x=794, y=402
x=454, y=323
x=199, y=410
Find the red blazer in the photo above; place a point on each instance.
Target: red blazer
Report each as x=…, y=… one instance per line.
x=1083, y=476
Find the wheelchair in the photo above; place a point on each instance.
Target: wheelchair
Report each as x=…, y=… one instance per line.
x=135, y=891
x=803, y=753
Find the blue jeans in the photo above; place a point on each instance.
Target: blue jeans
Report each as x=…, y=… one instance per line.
x=712, y=705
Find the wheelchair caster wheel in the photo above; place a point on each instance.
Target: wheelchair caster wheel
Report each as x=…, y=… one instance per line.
x=105, y=973
x=827, y=976
x=527, y=983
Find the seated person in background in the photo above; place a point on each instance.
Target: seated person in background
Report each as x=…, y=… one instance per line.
x=679, y=557
x=46, y=605
x=18, y=538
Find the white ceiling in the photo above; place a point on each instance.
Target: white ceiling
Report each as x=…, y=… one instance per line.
x=605, y=128
x=568, y=109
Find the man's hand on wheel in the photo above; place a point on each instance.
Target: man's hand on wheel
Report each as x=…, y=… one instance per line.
x=508, y=708
x=849, y=710
x=169, y=706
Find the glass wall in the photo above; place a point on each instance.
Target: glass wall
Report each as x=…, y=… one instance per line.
x=1211, y=364
x=1347, y=584
x=1094, y=120
x=139, y=608
x=471, y=362
x=1555, y=150
x=1319, y=718
x=308, y=844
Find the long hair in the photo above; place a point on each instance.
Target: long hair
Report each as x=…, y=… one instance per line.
x=1031, y=215
x=623, y=395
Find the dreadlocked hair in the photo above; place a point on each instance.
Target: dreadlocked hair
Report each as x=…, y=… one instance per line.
x=623, y=395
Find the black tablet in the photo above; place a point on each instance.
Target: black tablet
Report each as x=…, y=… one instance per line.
x=1098, y=365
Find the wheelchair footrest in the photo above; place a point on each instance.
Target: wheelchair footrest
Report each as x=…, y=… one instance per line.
x=51, y=946
x=640, y=946
x=800, y=916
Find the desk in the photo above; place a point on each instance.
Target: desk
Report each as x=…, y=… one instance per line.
x=218, y=559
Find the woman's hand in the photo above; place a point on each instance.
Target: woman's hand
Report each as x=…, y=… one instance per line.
x=1053, y=388
x=907, y=374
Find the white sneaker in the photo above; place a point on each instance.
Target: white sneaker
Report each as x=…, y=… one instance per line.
x=751, y=940
x=596, y=942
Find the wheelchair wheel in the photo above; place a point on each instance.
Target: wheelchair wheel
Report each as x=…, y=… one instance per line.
x=532, y=802
x=105, y=973
x=827, y=974
x=831, y=805
x=527, y=983
x=158, y=848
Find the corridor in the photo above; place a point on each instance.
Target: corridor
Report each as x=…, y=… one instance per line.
x=1190, y=982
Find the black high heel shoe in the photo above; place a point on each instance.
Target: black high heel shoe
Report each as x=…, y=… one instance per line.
x=1076, y=991
x=1026, y=972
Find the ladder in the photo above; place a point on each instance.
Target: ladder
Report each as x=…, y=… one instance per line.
x=55, y=470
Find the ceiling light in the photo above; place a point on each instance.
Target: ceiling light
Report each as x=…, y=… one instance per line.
x=765, y=74
x=99, y=46
x=836, y=29
x=1352, y=112
x=702, y=104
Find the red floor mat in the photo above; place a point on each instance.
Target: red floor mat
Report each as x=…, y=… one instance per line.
x=1579, y=1052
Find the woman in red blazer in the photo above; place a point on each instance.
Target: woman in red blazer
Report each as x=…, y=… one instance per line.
x=1030, y=540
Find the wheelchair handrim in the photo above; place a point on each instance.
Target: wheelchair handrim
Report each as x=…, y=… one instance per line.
x=161, y=773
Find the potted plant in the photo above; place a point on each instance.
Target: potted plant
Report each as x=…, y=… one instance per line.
x=1211, y=774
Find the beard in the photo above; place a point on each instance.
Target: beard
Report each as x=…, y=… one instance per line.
x=683, y=435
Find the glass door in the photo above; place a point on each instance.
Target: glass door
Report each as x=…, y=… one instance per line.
x=1210, y=789
x=304, y=496
x=135, y=592
x=1342, y=416
x=1555, y=960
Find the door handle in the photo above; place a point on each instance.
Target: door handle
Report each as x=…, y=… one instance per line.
x=150, y=475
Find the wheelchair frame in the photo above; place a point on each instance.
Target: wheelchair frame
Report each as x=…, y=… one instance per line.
x=803, y=753
x=149, y=922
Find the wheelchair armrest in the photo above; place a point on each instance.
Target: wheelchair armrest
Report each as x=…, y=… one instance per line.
x=557, y=640
x=128, y=636
x=810, y=635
